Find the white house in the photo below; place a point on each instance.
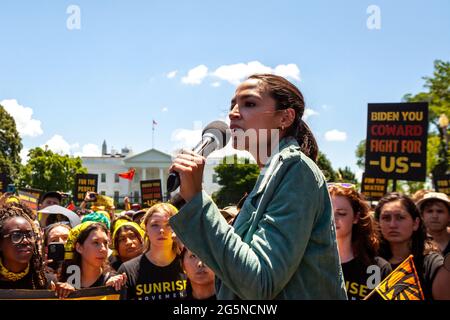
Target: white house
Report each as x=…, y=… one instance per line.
x=150, y=164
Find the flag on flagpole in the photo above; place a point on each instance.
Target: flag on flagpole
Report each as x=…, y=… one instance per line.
x=402, y=284
x=154, y=122
x=129, y=175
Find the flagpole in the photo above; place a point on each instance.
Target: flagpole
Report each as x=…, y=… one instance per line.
x=153, y=135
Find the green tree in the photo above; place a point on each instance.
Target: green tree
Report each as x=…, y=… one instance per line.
x=346, y=175
x=10, y=145
x=325, y=165
x=49, y=171
x=236, y=177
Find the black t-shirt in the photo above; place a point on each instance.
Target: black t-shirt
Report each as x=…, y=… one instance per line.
x=101, y=281
x=356, y=276
x=190, y=296
x=426, y=271
x=149, y=282
x=115, y=262
x=26, y=283
x=446, y=250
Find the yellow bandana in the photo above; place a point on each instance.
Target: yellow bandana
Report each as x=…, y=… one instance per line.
x=74, y=233
x=120, y=223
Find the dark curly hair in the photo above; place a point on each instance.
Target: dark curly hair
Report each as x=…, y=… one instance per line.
x=37, y=270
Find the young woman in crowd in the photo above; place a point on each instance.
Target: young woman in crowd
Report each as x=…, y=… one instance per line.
x=403, y=234
x=54, y=233
x=157, y=273
x=127, y=242
x=200, y=284
x=283, y=242
x=358, y=242
x=21, y=264
x=87, y=248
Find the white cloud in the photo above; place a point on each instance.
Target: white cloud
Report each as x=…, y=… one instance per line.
x=89, y=150
x=215, y=84
x=23, y=116
x=195, y=75
x=165, y=109
x=308, y=113
x=335, y=135
x=288, y=71
x=235, y=73
x=185, y=138
x=59, y=145
x=172, y=74
x=24, y=155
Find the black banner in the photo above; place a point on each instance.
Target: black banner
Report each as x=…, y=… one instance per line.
x=442, y=184
x=98, y=293
x=396, y=145
x=373, y=188
x=151, y=192
x=83, y=184
x=30, y=197
x=3, y=182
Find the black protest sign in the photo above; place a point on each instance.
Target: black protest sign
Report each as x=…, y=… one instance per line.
x=3, y=182
x=97, y=293
x=373, y=188
x=151, y=192
x=442, y=184
x=396, y=145
x=84, y=183
x=30, y=197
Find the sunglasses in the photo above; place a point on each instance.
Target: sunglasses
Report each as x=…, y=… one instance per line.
x=342, y=185
x=17, y=237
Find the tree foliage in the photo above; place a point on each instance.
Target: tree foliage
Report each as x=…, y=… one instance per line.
x=236, y=178
x=10, y=145
x=325, y=165
x=50, y=171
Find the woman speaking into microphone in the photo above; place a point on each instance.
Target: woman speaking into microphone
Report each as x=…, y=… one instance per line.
x=283, y=242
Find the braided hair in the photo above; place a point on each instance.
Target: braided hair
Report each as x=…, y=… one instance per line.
x=10, y=211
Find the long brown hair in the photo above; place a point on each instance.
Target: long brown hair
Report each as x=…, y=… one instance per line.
x=77, y=257
x=365, y=236
x=287, y=95
x=166, y=208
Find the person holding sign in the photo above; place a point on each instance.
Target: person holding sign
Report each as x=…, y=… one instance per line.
x=358, y=241
x=21, y=265
x=283, y=241
x=403, y=234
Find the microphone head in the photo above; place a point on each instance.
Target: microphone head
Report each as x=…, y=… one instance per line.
x=220, y=131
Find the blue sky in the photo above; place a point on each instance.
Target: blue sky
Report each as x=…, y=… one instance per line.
x=109, y=79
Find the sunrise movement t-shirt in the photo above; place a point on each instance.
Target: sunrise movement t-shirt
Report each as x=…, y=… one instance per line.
x=356, y=274
x=149, y=282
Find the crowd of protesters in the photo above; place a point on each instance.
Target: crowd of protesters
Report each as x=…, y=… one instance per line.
x=145, y=261
x=293, y=237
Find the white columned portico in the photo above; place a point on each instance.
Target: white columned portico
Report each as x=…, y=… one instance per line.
x=144, y=173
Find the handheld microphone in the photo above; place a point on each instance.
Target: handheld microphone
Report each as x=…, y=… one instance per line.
x=214, y=137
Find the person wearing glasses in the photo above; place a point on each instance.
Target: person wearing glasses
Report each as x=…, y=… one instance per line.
x=282, y=244
x=358, y=241
x=21, y=265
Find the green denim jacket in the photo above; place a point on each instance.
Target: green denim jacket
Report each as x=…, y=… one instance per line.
x=283, y=242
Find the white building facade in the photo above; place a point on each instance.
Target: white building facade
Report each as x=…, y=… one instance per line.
x=149, y=165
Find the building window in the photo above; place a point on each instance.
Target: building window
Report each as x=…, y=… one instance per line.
x=116, y=178
x=103, y=193
x=214, y=178
x=103, y=178
x=116, y=196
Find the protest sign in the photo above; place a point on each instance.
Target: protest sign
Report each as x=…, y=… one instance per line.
x=373, y=188
x=442, y=184
x=396, y=145
x=151, y=192
x=83, y=184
